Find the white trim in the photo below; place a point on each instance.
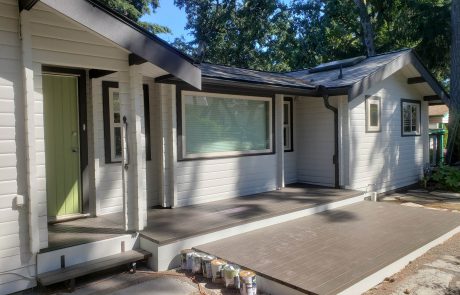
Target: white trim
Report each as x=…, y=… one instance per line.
x=373, y=100
x=113, y=125
x=417, y=119
x=224, y=154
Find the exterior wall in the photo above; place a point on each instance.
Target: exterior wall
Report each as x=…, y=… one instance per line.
x=17, y=265
x=314, y=141
x=386, y=160
x=61, y=42
x=200, y=181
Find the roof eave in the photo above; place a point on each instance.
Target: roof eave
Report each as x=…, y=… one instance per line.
x=410, y=57
x=129, y=36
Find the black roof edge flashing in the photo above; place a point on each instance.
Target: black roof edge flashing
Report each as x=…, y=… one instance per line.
x=26, y=4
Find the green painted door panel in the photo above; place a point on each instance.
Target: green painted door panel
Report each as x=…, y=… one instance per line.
x=61, y=145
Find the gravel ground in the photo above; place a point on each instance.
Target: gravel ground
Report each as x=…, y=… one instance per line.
x=435, y=272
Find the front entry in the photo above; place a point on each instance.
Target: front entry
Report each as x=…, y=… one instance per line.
x=62, y=142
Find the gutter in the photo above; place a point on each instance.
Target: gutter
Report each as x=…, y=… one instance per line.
x=322, y=90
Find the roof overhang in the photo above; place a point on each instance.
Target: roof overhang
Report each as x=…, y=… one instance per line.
x=126, y=34
x=288, y=90
x=410, y=57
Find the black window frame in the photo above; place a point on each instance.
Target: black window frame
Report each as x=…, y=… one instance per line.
x=291, y=113
x=148, y=143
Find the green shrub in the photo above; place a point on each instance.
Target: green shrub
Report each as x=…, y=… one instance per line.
x=448, y=177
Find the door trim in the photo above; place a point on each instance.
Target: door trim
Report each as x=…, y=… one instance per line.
x=81, y=74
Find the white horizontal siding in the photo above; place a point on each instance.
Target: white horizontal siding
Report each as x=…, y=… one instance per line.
x=314, y=141
x=385, y=160
x=209, y=180
x=17, y=265
x=57, y=40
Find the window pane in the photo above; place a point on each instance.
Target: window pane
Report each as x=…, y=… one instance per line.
x=116, y=102
x=285, y=136
x=407, y=118
x=286, y=113
x=414, y=118
x=116, y=118
x=117, y=139
x=214, y=124
x=374, y=114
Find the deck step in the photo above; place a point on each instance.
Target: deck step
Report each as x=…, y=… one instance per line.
x=81, y=269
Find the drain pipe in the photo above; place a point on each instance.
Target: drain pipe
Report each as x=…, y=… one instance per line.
x=335, y=159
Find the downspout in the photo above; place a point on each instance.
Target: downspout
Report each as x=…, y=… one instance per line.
x=335, y=159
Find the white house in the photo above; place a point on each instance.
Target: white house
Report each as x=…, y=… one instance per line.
x=98, y=116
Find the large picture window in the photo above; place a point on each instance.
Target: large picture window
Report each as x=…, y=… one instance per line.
x=112, y=121
x=410, y=117
x=216, y=125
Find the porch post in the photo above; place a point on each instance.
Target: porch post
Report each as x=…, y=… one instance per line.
x=137, y=197
x=29, y=127
x=279, y=140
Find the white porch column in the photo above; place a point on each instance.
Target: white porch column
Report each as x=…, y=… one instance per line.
x=279, y=142
x=29, y=124
x=136, y=175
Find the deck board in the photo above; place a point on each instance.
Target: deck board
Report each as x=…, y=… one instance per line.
x=328, y=252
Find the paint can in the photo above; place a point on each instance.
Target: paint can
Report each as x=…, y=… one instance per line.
x=206, y=266
x=186, y=259
x=216, y=267
x=196, y=262
x=248, y=283
x=231, y=276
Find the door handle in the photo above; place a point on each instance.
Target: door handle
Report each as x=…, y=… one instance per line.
x=74, y=150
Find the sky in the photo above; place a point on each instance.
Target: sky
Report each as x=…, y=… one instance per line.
x=174, y=18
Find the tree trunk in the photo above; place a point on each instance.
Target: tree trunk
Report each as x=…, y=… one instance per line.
x=368, y=32
x=453, y=148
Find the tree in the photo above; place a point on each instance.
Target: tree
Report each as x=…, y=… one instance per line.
x=135, y=9
x=368, y=31
x=453, y=155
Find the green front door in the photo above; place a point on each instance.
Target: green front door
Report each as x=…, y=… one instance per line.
x=61, y=145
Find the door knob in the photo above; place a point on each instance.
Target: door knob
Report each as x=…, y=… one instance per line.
x=74, y=150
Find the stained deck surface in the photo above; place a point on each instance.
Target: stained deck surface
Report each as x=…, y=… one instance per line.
x=328, y=252
x=169, y=225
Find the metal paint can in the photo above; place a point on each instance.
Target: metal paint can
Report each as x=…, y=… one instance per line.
x=185, y=257
x=231, y=276
x=217, y=266
x=248, y=283
x=206, y=266
x=196, y=262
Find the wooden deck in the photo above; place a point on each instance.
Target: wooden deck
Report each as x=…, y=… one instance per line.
x=328, y=252
x=169, y=225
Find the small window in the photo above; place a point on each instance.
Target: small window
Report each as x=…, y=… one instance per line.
x=287, y=128
x=112, y=121
x=222, y=125
x=410, y=117
x=373, y=114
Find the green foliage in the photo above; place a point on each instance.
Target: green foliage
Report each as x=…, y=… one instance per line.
x=135, y=9
x=448, y=177
x=270, y=35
